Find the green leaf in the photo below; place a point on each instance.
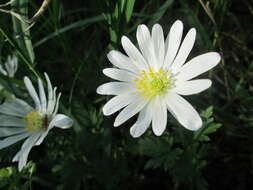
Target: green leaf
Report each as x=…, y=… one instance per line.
x=160, y=12
x=209, y=126
x=129, y=9
x=160, y=150
x=208, y=112
x=77, y=24
x=5, y=172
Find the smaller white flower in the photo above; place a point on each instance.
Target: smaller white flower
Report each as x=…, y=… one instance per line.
x=20, y=120
x=11, y=66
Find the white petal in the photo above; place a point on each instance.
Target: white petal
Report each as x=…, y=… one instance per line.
x=173, y=41
x=9, y=66
x=119, y=74
x=17, y=108
x=198, y=65
x=146, y=45
x=61, y=121
x=22, y=155
x=118, y=102
x=159, y=46
x=159, y=115
x=32, y=92
x=50, y=103
x=184, y=50
x=10, y=121
x=15, y=64
x=43, y=100
x=142, y=123
x=24, y=145
x=2, y=70
x=183, y=112
x=4, y=132
x=130, y=111
x=134, y=54
x=121, y=61
x=192, y=87
x=13, y=139
x=23, y=159
x=42, y=137
x=57, y=105
x=115, y=88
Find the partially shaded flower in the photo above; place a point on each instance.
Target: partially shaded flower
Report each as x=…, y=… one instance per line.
x=152, y=80
x=11, y=66
x=20, y=120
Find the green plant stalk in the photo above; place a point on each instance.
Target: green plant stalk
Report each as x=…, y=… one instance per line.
x=20, y=28
x=19, y=51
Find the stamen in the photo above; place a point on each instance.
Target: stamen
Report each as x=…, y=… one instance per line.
x=34, y=121
x=152, y=83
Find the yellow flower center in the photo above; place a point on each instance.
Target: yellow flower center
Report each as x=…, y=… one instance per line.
x=152, y=83
x=34, y=121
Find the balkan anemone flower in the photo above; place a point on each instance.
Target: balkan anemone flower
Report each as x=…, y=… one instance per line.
x=152, y=80
x=19, y=120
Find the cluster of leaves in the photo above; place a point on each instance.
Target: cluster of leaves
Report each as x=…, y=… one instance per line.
x=182, y=154
x=75, y=36
x=11, y=179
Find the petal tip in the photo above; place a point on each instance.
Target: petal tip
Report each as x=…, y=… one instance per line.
x=105, y=111
x=209, y=83
x=116, y=123
x=134, y=135
x=123, y=39
x=157, y=28
x=157, y=25
x=178, y=23
x=133, y=132
x=26, y=78
x=218, y=57
x=193, y=31
x=99, y=90
x=109, y=55
x=158, y=133
x=105, y=71
x=197, y=125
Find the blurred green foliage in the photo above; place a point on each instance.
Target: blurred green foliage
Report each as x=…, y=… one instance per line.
x=70, y=42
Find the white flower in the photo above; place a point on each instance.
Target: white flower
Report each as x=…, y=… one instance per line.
x=11, y=66
x=21, y=121
x=151, y=80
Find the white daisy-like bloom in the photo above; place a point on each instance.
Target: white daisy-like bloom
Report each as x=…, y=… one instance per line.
x=11, y=66
x=19, y=120
x=152, y=80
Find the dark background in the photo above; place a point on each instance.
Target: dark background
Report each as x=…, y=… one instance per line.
x=70, y=41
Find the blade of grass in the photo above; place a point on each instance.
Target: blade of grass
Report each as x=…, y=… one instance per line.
x=22, y=55
x=160, y=12
x=16, y=24
x=129, y=9
x=12, y=80
x=20, y=28
x=24, y=26
x=77, y=24
x=193, y=18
